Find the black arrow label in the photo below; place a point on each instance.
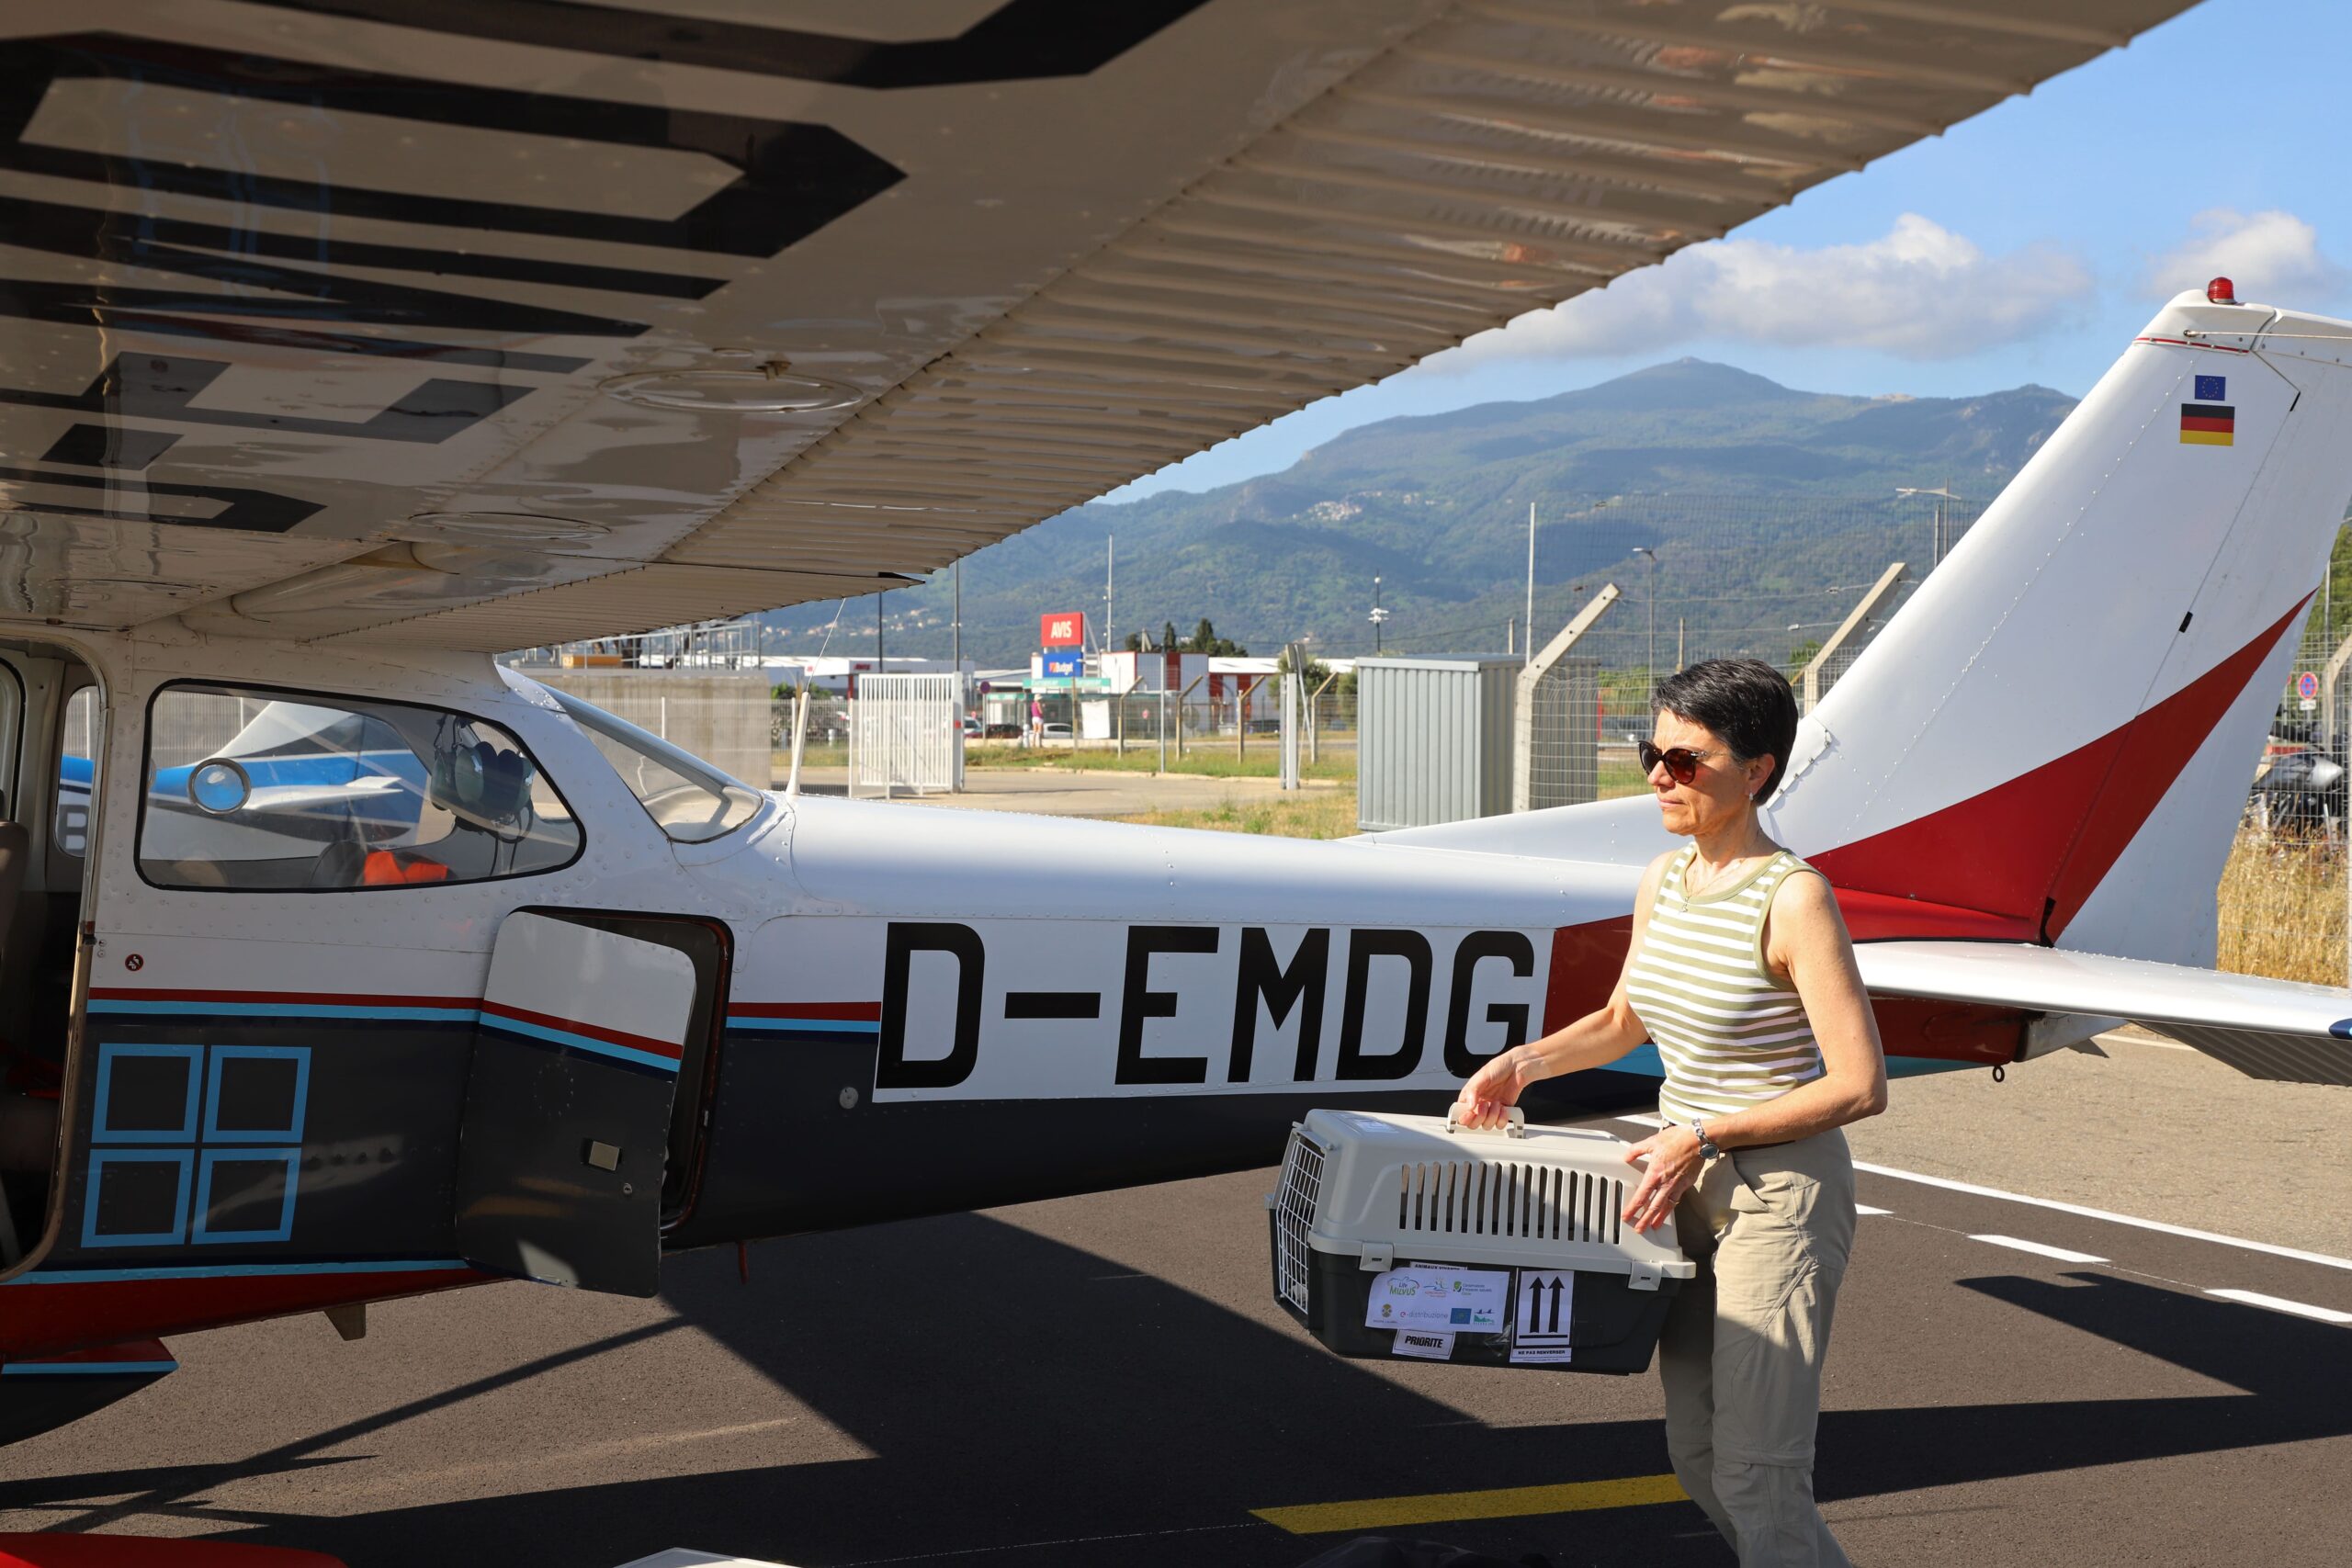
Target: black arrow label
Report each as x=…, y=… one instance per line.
x=1555, y=1303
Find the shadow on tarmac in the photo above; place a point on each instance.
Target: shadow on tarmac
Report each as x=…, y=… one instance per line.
x=1140, y=1424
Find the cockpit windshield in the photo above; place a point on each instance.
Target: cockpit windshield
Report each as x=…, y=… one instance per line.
x=687, y=798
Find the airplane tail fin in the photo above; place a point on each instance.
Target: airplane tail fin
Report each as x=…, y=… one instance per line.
x=2052, y=740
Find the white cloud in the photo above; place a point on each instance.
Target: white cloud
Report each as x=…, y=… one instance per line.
x=1920, y=292
x=2272, y=256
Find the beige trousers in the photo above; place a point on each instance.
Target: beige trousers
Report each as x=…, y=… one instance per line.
x=1771, y=1230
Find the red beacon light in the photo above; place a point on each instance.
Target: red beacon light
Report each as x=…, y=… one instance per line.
x=2222, y=291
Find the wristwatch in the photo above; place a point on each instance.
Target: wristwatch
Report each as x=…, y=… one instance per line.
x=1707, y=1149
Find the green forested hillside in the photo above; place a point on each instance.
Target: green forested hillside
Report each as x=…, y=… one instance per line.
x=1763, y=505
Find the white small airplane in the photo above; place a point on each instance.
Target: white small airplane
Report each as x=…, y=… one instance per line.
x=352, y=340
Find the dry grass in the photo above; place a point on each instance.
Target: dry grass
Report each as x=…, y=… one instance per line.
x=1310, y=814
x=2281, y=909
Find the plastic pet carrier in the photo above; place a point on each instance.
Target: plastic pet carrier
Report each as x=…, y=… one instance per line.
x=1408, y=1235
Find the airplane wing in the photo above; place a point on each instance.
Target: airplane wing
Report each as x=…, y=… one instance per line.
x=474, y=324
x=2266, y=1029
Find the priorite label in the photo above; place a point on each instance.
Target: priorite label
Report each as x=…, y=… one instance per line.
x=1425, y=1343
x=1475, y=1301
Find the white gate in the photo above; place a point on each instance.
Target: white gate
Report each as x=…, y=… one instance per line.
x=906, y=733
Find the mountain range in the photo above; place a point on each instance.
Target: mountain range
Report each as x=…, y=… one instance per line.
x=1764, y=506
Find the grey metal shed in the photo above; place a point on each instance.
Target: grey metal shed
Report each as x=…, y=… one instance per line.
x=1434, y=738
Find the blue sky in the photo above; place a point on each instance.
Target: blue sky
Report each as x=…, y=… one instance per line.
x=2027, y=245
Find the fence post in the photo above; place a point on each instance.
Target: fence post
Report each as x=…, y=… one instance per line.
x=1522, y=781
x=1181, y=701
x=1294, y=692
x=1845, y=633
x=1313, y=699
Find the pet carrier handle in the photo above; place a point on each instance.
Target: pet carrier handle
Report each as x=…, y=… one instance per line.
x=1516, y=1129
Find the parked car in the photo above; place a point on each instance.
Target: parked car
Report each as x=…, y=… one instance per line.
x=2300, y=793
x=971, y=729
x=1054, y=732
x=1000, y=732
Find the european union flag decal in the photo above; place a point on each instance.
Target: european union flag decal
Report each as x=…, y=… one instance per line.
x=2211, y=388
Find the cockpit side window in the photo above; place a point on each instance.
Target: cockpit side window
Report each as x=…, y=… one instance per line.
x=261, y=790
x=688, y=799
x=78, y=748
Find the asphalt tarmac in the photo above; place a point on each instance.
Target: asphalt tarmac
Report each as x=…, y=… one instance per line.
x=1105, y=1379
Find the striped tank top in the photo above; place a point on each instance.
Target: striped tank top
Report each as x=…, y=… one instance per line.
x=1730, y=1032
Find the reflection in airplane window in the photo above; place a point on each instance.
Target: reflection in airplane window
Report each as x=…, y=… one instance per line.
x=77, y=744
x=687, y=798
x=266, y=790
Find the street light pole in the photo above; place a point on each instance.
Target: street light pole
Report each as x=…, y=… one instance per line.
x=1530, y=659
x=1941, y=529
x=1646, y=550
x=1378, y=615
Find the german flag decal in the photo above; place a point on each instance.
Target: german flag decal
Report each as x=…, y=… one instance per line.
x=2208, y=424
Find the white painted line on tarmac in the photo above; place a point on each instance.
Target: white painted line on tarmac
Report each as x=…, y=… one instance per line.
x=1866, y=1209
x=1644, y=1120
x=2043, y=1249
x=2296, y=1253
x=2256, y=1298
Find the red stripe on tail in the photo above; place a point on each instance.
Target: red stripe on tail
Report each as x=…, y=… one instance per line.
x=2035, y=848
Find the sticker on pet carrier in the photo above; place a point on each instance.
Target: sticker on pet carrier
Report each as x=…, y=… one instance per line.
x=1456, y=1300
x=1543, y=1310
x=1424, y=1343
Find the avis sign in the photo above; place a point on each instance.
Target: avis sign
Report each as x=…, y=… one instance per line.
x=1062, y=629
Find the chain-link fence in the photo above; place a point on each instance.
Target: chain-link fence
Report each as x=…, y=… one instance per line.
x=1694, y=584
x=1559, y=743
x=2282, y=902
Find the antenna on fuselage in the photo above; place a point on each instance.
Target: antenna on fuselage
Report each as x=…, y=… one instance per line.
x=800, y=736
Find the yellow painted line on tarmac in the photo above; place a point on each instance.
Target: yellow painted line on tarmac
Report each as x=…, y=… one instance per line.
x=1447, y=1507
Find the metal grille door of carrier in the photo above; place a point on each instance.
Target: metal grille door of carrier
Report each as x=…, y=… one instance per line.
x=1295, y=1199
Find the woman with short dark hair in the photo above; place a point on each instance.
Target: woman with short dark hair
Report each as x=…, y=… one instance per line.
x=1741, y=972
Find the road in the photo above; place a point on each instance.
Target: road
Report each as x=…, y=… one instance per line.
x=1105, y=1380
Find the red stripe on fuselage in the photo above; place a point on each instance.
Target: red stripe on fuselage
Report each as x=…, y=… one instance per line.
x=45, y=1317
x=839, y=1012
x=278, y=998
x=646, y=1043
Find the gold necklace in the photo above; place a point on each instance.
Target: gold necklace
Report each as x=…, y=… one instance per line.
x=1721, y=874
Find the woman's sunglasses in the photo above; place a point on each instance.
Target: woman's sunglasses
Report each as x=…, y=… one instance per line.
x=1682, y=763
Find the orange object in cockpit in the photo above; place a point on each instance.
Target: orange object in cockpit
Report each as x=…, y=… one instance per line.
x=388, y=868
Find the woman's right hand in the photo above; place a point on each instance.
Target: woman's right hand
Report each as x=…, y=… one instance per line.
x=1485, y=1101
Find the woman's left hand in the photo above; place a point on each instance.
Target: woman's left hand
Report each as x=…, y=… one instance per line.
x=1674, y=1165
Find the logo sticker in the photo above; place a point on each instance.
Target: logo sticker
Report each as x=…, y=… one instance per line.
x=2208, y=424
x=2213, y=388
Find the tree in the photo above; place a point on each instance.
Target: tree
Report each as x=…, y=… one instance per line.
x=1317, y=671
x=1168, y=636
x=1134, y=642
x=1206, y=641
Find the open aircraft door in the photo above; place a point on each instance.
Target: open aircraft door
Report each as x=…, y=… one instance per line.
x=568, y=1104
